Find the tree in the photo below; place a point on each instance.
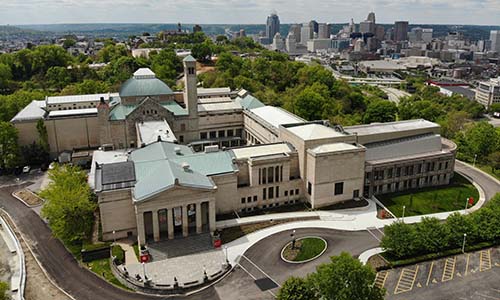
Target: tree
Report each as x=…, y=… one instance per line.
x=58, y=77
x=494, y=161
x=68, y=43
x=398, y=239
x=202, y=51
x=88, y=86
x=4, y=288
x=68, y=208
x=309, y=104
x=453, y=123
x=5, y=76
x=380, y=111
x=431, y=236
x=296, y=288
x=9, y=150
x=479, y=139
x=345, y=278
x=495, y=107
x=458, y=224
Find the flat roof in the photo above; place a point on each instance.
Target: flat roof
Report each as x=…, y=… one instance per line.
x=72, y=112
x=377, y=128
x=466, y=92
x=215, y=100
x=219, y=106
x=105, y=157
x=80, y=98
x=149, y=132
x=313, y=131
x=334, y=147
x=261, y=150
x=276, y=116
x=213, y=91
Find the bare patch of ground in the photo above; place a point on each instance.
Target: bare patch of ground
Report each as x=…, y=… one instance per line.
x=29, y=197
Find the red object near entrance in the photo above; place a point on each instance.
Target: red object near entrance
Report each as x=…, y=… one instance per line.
x=217, y=243
x=471, y=200
x=144, y=258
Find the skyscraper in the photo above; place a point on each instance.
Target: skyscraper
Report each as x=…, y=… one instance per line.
x=306, y=33
x=272, y=26
x=295, y=29
x=401, y=31
x=314, y=25
x=495, y=40
x=324, y=31
x=371, y=17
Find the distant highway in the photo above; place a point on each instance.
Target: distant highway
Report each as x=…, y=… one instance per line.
x=394, y=94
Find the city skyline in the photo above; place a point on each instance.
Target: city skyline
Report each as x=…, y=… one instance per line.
x=474, y=12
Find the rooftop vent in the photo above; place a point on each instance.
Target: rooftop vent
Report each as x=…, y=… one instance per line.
x=177, y=150
x=211, y=149
x=185, y=166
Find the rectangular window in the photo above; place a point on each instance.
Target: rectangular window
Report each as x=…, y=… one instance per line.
x=230, y=132
x=277, y=192
x=291, y=192
x=239, y=132
x=277, y=174
x=254, y=198
x=260, y=177
x=419, y=169
x=181, y=138
x=271, y=192
x=264, y=177
x=440, y=166
x=297, y=192
x=183, y=127
x=286, y=193
x=411, y=170
x=249, y=199
x=355, y=194
x=339, y=188
x=203, y=135
x=397, y=186
x=243, y=200
x=446, y=165
x=213, y=134
x=264, y=195
x=398, y=171
x=281, y=174
x=309, y=188
x=270, y=177
x=222, y=133
x=389, y=173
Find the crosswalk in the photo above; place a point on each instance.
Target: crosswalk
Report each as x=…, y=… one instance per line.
x=406, y=280
x=381, y=278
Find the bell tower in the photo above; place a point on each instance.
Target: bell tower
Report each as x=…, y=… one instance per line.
x=190, y=86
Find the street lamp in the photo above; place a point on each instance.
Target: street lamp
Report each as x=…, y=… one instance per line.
x=225, y=251
x=114, y=237
x=463, y=244
x=466, y=204
x=144, y=271
x=293, y=239
x=474, y=162
x=404, y=207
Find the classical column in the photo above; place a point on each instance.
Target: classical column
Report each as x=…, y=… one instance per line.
x=198, y=218
x=141, y=237
x=211, y=215
x=170, y=223
x=156, y=226
x=185, y=229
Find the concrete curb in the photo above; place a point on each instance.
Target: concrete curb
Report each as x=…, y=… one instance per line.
x=38, y=262
x=307, y=260
x=479, y=170
x=363, y=257
x=24, y=202
x=17, y=284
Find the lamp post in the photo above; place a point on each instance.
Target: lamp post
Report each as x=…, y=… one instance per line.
x=474, y=162
x=463, y=244
x=114, y=237
x=225, y=252
x=293, y=239
x=466, y=203
x=144, y=271
x=404, y=207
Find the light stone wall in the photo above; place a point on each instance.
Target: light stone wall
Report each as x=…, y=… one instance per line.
x=227, y=191
x=117, y=213
x=72, y=133
x=263, y=134
x=27, y=132
x=324, y=170
x=365, y=139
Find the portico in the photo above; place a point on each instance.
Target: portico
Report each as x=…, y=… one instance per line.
x=175, y=220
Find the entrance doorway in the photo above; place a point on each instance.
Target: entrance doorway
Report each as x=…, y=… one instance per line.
x=177, y=215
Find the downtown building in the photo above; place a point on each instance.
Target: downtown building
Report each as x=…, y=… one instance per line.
x=165, y=164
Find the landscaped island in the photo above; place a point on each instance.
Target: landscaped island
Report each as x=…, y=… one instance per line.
x=304, y=249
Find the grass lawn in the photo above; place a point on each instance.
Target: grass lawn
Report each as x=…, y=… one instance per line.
x=102, y=268
x=305, y=249
x=431, y=200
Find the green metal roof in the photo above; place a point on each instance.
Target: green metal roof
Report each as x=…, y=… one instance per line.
x=135, y=87
x=250, y=102
x=159, y=167
x=121, y=111
x=189, y=58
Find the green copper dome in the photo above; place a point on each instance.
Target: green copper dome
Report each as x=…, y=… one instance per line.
x=144, y=83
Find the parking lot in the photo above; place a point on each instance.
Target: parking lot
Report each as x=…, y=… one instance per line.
x=474, y=276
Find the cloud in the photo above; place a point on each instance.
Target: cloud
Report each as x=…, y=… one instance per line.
x=247, y=11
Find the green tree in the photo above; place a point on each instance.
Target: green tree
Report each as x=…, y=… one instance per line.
x=69, y=209
x=296, y=288
x=399, y=239
x=345, y=278
x=453, y=123
x=111, y=52
x=309, y=104
x=68, y=43
x=479, y=139
x=458, y=224
x=430, y=236
x=47, y=56
x=495, y=107
x=5, y=77
x=88, y=86
x=202, y=51
x=380, y=111
x=58, y=77
x=9, y=150
x=494, y=161
x=4, y=288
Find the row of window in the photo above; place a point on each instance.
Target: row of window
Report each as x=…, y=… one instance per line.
x=270, y=174
x=254, y=208
x=338, y=189
x=251, y=139
x=221, y=133
x=407, y=170
x=407, y=184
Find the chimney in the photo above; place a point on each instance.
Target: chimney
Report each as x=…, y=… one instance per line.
x=159, y=138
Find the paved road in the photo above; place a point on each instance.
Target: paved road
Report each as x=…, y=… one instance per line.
x=490, y=186
x=394, y=94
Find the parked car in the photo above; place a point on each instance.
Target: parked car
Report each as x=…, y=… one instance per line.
x=496, y=115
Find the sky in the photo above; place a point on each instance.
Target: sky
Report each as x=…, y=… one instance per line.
x=480, y=12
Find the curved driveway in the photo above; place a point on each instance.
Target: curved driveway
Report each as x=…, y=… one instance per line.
x=83, y=284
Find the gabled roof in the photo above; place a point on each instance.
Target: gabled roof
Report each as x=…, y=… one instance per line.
x=121, y=111
x=249, y=102
x=33, y=111
x=189, y=58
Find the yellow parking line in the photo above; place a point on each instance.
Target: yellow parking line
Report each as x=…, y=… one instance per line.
x=414, y=277
x=449, y=269
x=430, y=273
x=484, y=260
x=399, y=280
